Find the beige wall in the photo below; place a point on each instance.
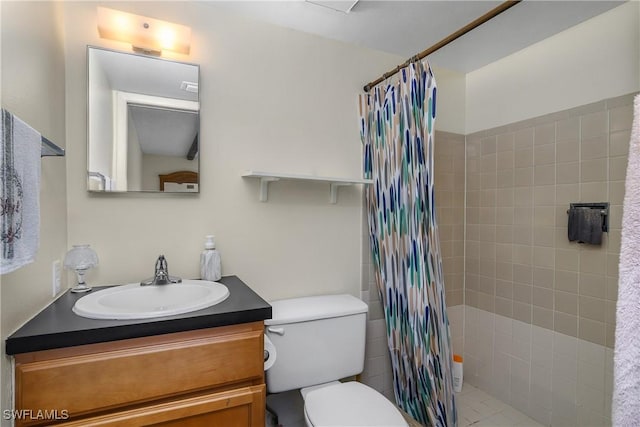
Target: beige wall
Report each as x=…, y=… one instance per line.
x=595, y=60
x=451, y=100
x=33, y=89
x=272, y=99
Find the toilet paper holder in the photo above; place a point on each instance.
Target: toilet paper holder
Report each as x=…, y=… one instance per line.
x=270, y=354
x=604, y=211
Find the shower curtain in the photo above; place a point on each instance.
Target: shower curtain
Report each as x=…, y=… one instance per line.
x=396, y=125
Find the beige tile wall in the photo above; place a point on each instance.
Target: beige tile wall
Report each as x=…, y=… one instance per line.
x=554, y=378
x=449, y=166
x=520, y=181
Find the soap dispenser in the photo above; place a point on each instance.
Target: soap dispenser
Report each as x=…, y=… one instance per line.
x=210, y=261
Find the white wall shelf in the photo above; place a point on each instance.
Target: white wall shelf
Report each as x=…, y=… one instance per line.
x=334, y=183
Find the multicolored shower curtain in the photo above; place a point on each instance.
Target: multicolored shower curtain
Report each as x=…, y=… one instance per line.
x=396, y=125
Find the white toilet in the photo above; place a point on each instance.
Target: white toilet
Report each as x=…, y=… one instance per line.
x=319, y=340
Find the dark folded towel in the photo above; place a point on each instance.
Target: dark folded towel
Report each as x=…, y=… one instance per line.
x=585, y=226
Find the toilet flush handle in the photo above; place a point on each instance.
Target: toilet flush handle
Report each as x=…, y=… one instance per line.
x=279, y=331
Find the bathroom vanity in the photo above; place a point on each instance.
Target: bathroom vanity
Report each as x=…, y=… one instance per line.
x=203, y=368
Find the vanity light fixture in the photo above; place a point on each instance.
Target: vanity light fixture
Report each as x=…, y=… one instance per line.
x=146, y=35
x=80, y=259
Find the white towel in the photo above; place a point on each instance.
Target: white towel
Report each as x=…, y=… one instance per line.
x=19, y=193
x=626, y=388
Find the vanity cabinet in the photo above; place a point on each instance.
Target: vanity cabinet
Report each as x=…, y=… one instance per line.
x=206, y=377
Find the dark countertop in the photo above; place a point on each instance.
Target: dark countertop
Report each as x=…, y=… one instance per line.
x=57, y=326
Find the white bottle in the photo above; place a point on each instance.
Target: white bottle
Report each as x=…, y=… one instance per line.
x=457, y=373
x=210, y=261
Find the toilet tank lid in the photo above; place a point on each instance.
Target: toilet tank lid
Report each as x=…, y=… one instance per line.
x=305, y=309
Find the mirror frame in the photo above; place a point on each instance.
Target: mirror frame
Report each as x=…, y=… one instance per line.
x=187, y=107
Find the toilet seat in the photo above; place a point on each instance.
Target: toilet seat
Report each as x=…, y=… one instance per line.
x=350, y=404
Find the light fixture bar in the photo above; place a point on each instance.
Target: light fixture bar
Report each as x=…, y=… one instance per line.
x=145, y=34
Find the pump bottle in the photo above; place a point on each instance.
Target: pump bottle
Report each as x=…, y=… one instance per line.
x=210, y=261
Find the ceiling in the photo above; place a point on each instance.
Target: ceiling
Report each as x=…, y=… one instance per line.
x=406, y=28
x=146, y=75
x=164, y=132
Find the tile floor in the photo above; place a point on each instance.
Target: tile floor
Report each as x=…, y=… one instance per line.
x=475, y=408
x=479, y=409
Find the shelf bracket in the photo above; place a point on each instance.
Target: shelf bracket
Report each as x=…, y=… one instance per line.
x=264, y=187
x=333, y=196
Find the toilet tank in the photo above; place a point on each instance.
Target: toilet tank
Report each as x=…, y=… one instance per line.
x=317, y=340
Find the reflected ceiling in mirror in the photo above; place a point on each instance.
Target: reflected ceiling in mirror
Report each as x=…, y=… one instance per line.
x=143, y=123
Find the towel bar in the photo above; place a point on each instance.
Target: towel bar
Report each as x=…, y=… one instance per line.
x=47, y=148
x=50, y=149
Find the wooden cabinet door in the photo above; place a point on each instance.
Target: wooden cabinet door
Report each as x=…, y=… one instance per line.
x=242, y=407
x=116, y=375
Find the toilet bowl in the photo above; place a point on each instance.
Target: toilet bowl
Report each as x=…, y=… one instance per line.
x=318, y=341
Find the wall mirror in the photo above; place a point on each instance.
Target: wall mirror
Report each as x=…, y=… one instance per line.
x=143, y=123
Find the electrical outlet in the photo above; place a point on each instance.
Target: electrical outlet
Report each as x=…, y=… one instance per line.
x=55, y=278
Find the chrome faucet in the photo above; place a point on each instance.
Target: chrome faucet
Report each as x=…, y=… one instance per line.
x=161, y=276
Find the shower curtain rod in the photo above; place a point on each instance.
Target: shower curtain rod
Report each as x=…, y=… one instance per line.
x=442, y=43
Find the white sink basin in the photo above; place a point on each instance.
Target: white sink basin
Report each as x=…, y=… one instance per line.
x=142, y=302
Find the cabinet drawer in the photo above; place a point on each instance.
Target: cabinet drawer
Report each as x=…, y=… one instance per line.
x=122, y=376
x=243, y=407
